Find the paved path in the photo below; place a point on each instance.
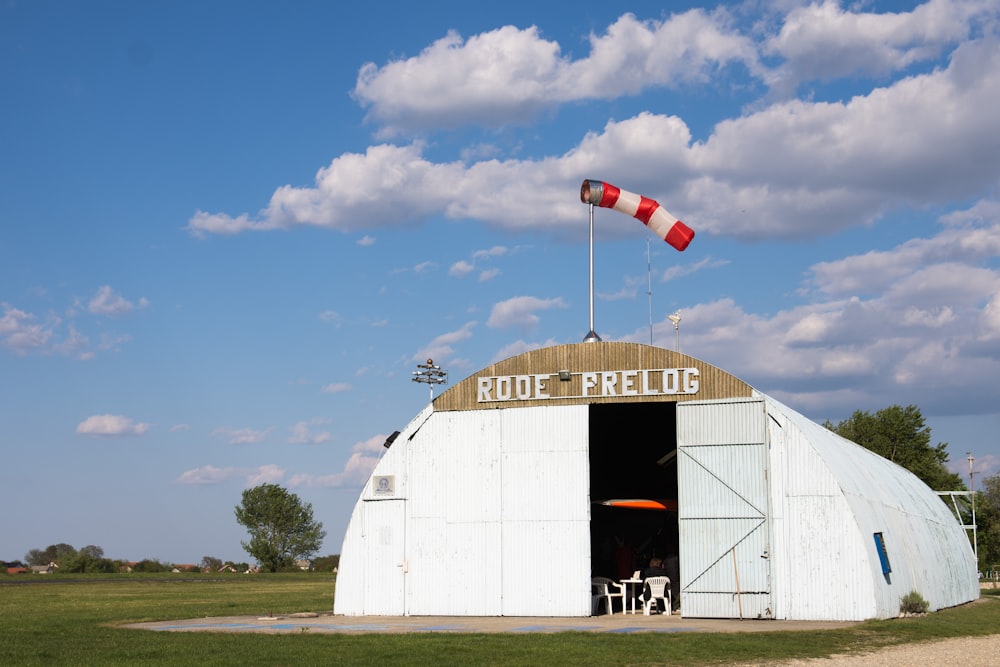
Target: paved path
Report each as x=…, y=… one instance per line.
x=329, y=623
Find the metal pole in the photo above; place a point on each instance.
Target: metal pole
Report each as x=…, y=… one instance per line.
x=592, y=336
x=972, y=491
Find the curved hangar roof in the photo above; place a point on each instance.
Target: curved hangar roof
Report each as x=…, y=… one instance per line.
x=495, y=488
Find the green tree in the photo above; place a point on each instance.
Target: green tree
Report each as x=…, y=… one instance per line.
x=902, y=436
x=326, y=563
x=988, y=523
x=54, y=553
x=281, y=527
x=211, y=563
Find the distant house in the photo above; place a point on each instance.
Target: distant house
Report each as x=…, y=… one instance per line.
x=304, y=564
x=228, y=568
x=127, y=566
x=16, y=570
x=185, y=567
x=44, y=569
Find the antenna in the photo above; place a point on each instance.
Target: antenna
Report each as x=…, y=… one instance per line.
x=649, y=291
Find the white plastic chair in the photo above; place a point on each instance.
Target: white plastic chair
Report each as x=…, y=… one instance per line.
x=600, y=589
x=659, y=589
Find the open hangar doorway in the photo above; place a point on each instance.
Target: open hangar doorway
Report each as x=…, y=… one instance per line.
x=633, y=456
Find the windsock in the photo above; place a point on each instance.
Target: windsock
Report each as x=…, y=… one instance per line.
x=648, y=211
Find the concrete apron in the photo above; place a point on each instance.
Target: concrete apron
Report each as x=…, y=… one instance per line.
x=329, y=623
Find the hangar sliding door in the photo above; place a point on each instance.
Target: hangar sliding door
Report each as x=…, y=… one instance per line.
x=723, y=509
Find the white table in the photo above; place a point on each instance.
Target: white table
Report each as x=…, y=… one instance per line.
x=628, y=583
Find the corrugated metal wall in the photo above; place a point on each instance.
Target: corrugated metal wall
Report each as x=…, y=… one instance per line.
x=723, y=510
x=546, y=512
x=486, y=512
x=495, y=519
x=830, y=498
x=820, y=563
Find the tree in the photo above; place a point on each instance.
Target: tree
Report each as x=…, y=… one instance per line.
x=326, y=563
x=211, y=563
x=92, y=551
x=901, y=435
x=988, y=523
x=281, y=528
x=54, y=553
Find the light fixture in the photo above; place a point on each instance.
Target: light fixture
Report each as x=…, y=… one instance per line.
x=430, y=374
x=676, y=319
x=564, y=376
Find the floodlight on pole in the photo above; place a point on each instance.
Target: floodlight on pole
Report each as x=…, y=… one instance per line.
x=676, y=319
x=972, y=493
x=430, y=374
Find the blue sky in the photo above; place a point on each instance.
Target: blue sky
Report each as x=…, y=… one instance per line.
x=230, y=231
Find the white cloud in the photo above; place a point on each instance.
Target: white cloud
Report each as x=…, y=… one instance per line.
x=441, y=347
x=831, y=165
x=461, y=268
x=110, y=425
x=208, y=474
x=520, y=311
x=510, y=74
x=106, y=302
x=20, y=333
x=366, y=241
x=336, y=388
x=303, y=434
x=358, y=468
x=927, y=332
x=822, y=41
x=495, y=251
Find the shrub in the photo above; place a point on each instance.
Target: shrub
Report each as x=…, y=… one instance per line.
x=913, y=603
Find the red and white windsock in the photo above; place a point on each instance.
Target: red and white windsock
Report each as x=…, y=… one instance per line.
x=648, y=211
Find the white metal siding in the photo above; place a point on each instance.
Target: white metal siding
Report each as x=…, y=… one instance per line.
x=454, y=482
x=384, y=539
x=495, y=519
x=834, y=496
x=546, y=512
x=723, y=510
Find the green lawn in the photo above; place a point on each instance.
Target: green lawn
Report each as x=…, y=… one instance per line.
x=72, y=620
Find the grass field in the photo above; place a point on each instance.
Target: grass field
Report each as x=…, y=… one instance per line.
x=73, y=620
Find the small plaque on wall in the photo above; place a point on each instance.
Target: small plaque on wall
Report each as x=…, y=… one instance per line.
x=384, y=485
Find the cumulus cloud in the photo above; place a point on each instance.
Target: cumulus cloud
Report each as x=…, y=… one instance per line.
x=20, y=332
x=510, y=74
x=306, y=433
x=111, y=425
x=924, y=139
x=107, y=302
x=520, y=311
x=463, y=267
x=823, y=41
x=875, y=326
x=442, y=347
x=358, y=468
x=336, y=388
